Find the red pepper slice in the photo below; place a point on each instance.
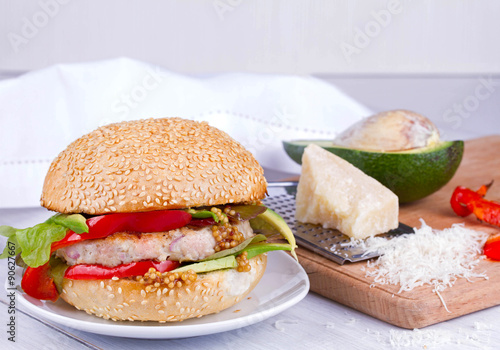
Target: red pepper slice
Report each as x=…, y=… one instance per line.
x=492, y=248
x=99, y=272
x=105, y=225
x=38, y=284
x=465, y=201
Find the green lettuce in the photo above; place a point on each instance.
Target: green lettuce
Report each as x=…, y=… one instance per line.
x=34, y=242
x=202, y=214
x=10, y=233
x=75, y=222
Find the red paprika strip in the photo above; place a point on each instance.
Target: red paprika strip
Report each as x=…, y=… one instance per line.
x=99, y=272
x=465, y=202
x=38, y=284
x=492, y=248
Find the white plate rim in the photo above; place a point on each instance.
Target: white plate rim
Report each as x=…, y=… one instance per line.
x=179, y=330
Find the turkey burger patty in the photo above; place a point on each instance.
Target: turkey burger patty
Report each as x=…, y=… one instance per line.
x=182, y=244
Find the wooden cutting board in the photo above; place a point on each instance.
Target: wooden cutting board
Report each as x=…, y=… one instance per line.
x=421, y=307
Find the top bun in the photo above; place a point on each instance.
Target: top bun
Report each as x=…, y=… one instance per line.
x=151, y=164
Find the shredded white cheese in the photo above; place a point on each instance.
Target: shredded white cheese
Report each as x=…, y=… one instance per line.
x=417, y=337
x=437, y=338
x=330, y=325
x=428, y=257
x=481, y=326
x=279, y=324
x=351, y=321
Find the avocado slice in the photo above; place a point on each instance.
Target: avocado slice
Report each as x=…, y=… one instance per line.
x=270, y=222
x=227, y=262
x=255, y=249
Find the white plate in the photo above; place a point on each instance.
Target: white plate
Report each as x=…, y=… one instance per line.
x=283, y=285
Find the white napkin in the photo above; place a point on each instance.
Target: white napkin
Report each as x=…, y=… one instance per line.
x=43, y=111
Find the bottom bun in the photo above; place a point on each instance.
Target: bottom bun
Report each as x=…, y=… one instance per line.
x=126, y=299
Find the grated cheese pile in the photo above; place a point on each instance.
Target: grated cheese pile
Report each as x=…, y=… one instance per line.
x=429, y=256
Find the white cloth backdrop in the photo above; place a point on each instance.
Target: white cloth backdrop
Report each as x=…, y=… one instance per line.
x=41, y=112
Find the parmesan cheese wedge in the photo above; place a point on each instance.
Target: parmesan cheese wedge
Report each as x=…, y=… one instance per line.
x=336, y=194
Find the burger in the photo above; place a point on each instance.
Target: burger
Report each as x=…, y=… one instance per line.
x=156, y=220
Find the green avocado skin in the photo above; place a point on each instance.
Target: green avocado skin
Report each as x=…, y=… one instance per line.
x=411, y=175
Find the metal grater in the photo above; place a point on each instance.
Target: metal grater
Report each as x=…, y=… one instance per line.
x=330, y=243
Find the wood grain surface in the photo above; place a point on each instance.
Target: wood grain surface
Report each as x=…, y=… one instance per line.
x=421, y=307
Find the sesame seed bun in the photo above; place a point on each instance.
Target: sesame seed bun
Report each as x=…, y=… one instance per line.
x=126, y=299
x=151, y=164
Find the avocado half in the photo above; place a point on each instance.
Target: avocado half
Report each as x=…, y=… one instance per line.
x=411, y=174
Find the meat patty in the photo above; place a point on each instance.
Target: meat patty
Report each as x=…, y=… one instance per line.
x=183, y=244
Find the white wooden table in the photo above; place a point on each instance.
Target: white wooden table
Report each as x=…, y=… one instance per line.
x=315, y=323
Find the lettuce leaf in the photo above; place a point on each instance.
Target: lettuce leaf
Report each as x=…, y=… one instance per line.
x=202, y=214
x=10, y=233
x=57, y=270
x=34, y=242
x=75, y=222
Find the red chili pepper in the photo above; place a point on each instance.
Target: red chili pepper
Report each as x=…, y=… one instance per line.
x=99, y=272
x=38, y=284
x=492, y=248
x=105, y=225
x=465, y=201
